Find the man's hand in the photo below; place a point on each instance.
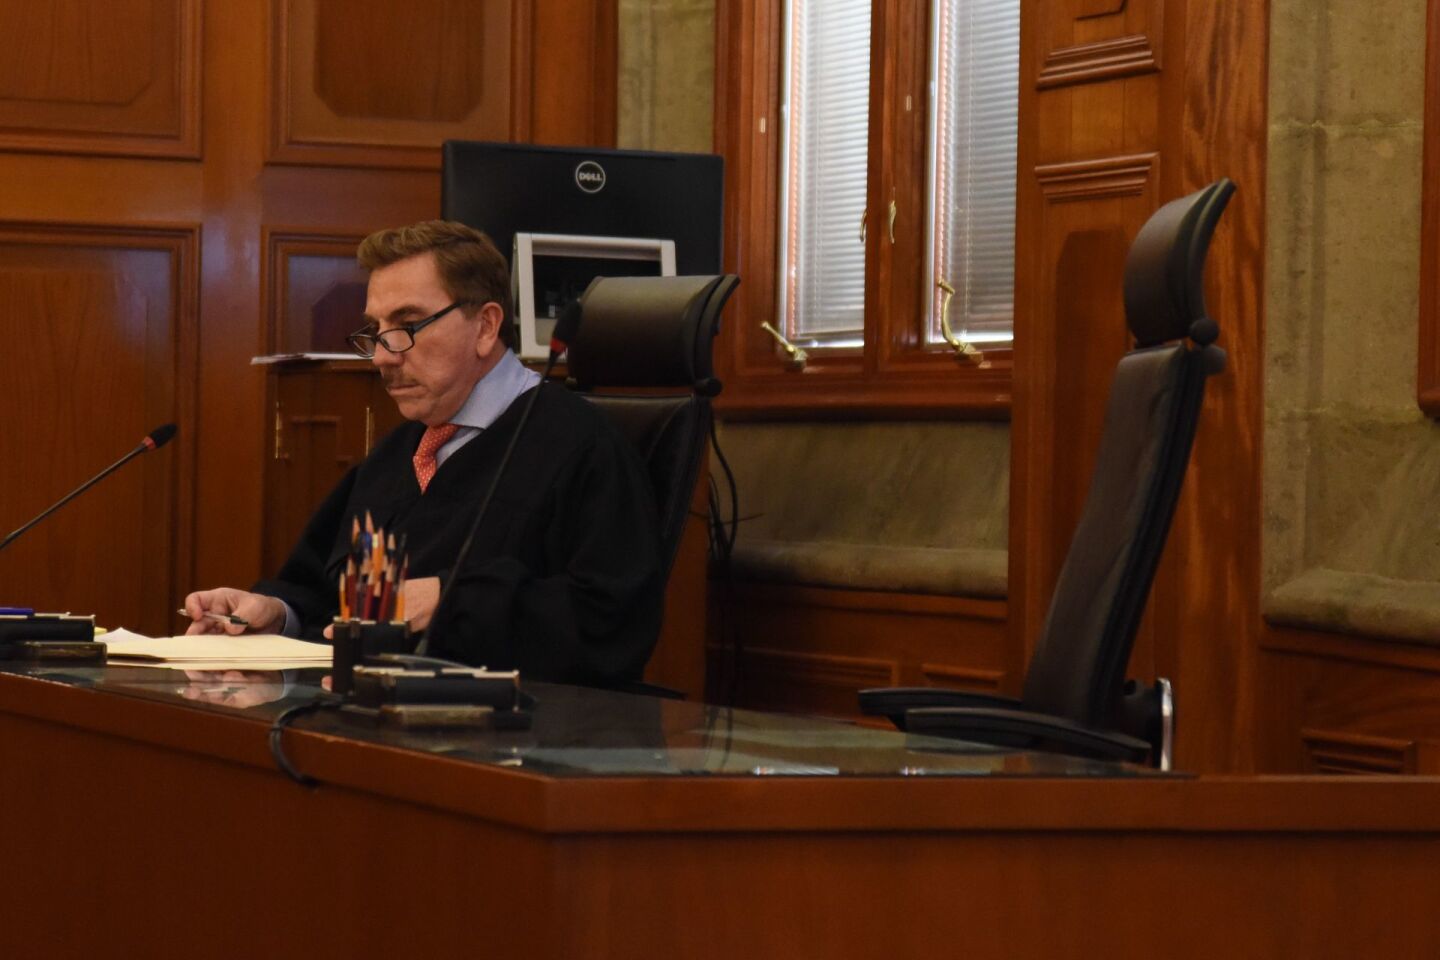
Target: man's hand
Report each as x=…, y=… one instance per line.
x=420, y=598
x=265, y=614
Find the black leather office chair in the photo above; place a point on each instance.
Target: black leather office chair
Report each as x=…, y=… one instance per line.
x=1075, y=699
x=654, y=333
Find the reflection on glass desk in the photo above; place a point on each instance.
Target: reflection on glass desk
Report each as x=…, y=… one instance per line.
x=580, y=732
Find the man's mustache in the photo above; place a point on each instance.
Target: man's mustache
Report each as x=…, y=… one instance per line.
x=392, y=381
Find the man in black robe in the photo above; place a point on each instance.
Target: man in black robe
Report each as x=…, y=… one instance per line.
x=562, y=581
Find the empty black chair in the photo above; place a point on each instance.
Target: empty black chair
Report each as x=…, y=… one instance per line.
x=1075, y=698
x=655, y=334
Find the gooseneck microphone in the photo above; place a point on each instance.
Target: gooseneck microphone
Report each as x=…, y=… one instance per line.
x=156, y=439
x=565, y=329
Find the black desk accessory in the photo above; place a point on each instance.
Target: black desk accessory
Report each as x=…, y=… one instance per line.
x=50, y=636
x=409, y=691
x=375, y=676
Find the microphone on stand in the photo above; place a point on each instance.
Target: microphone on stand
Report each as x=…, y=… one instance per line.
x=565, y=330
x=156, y=439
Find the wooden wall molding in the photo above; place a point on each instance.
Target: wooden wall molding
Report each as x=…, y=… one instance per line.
x=1342, y=752
x=145, y=376
x=822, y=670
x=823, y=683
x=1130, y=53
x=58, y=94
x=969, y=678
x=1100, y=179
x=814, y=648
x=1343, y=648
x=1315, y=684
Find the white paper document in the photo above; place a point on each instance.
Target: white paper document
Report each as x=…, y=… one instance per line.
x=215, y=650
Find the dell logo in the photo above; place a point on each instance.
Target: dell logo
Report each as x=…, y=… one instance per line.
x=590, y=176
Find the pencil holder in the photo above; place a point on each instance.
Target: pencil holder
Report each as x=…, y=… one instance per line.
x=355, y=641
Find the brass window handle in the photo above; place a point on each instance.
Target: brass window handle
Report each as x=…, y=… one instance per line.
x=893, y=211
x=963, y=349
x=863, y=214
x=798, y=356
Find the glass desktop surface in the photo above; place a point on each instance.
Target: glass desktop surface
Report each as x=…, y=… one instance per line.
x=580, y=732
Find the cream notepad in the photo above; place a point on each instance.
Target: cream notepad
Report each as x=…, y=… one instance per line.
x=215, y=649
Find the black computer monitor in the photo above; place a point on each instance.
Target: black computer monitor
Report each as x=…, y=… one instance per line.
x=505, y=188
x=508, y=188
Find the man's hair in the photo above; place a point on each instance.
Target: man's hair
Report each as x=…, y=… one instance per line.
x=471, y=268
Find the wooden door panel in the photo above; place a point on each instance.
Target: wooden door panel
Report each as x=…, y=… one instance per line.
x=101, y=76
x=380, y=84
x=1085, y=40
x=376, y=83
x=101, y=337
x=315, y=290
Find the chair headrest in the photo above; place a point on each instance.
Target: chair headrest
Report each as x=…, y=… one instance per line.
x=1165, y=271
x=649, y=332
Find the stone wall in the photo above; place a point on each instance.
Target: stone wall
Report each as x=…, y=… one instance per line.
x=1352, y=467
x=667, y=75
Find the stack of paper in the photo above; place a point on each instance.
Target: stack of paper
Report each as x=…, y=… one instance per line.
x=215, y=651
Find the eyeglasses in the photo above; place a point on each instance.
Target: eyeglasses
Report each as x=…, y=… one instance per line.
x=397, y=340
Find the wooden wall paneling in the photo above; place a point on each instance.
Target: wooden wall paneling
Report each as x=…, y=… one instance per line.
x=1068, y=340
x=102, y=344
x=1207, y=602
x=378, y=84
x=1100, y=96
x=107, y=77
x=1428, y=382
x=813, y=649
x=573, y=65
x=1328, y=701
x=819, y=683
x=232, y=429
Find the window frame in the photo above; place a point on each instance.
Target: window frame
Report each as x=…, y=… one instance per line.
x=897, y=373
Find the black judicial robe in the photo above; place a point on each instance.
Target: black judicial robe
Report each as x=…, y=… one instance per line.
x=563, y=579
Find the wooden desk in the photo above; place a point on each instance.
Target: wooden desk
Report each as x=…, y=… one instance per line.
x=142, y=826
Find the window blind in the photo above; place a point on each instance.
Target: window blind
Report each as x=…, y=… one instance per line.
x=974, y=117
x=826, y=114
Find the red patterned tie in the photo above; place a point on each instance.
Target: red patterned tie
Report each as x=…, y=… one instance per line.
x=433, y=440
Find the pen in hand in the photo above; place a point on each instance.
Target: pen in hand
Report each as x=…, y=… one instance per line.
x=220, y=617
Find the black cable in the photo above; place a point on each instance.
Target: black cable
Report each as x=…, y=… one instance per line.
x=724, y=535
x=728, y=540
x=277, y=732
